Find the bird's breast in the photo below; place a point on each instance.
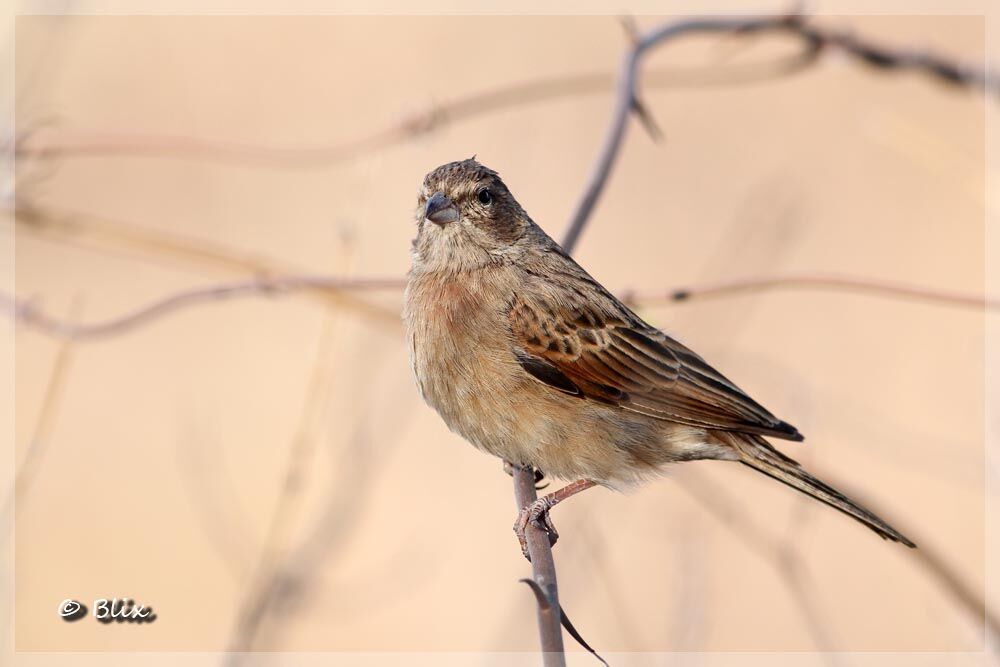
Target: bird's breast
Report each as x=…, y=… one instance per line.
x=459, y=343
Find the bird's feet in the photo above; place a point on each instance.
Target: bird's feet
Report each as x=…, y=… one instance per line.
x=537, y=514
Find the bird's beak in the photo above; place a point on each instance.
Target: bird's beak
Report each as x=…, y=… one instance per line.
x=440, y=210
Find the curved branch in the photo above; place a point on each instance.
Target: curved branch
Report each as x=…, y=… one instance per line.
x=627, y=101
x=74, y=227
x=870, y=54
x=24, y=311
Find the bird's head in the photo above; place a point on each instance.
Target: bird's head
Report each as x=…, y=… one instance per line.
x=466, y=217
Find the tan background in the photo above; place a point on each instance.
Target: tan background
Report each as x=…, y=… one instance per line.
x=167, y=453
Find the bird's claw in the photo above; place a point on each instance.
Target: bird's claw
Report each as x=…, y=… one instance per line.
x=537, y=513
x=508, y=468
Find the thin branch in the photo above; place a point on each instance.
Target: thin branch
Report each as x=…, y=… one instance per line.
x=46, y=221
x=628, y=102
x=825, y=281
x=785, y=558
x=42, y=433
x=868, y=53
x=26, y=312
x=935, y=66
x=949, y=579
x=815, y=39
x=33, y=143
x=292, y=577
x=543, y=569
x=780, y=554
x=72, y=226
x=283, y=573
x=356, y=462
x=259, y=598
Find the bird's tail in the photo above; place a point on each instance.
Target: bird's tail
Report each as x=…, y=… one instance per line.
x=758, y=454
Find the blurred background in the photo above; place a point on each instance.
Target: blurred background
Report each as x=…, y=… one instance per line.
x=261, y=470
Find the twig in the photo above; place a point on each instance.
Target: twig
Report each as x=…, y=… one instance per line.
x=826, y=281
x=628, y=102
x=786, y=559
x=868, y=53
x=285, y=574
x=543, y=569
x=295, y=576
x=949, y=579
x=29, y=145
x=33, y=144
x=25, y=312
x=37, y=445
x=46, y=221
x=264, y=586
x=71, y=226
x=781, y=555
x=545, y=607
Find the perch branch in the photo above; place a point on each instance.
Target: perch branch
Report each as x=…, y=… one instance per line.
x=543, y=569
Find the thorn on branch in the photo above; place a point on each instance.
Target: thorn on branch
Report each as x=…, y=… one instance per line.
x=543, y=601
x=642, y=113
x=546, y=606
x=680, y=295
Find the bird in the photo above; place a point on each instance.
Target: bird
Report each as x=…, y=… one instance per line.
x=529, y=358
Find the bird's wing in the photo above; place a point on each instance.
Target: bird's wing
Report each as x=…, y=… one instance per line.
x=580, y=340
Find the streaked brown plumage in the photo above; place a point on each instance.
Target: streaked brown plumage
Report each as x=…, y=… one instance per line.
x=529, y=358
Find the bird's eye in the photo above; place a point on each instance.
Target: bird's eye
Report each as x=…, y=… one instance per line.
x=485, y=197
